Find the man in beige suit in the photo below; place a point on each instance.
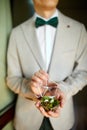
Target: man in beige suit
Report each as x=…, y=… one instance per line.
x=54, y=50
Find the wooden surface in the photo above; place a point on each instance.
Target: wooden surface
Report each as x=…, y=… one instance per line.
x=7, y=117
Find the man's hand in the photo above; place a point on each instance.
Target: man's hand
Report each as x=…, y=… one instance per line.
x=38, y=80
x=55, y=91
x=54, y=114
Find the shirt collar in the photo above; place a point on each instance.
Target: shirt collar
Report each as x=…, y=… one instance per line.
x=54, y=15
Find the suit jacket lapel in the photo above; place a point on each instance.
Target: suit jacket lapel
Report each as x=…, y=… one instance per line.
x=31, y=39
x=60, y=44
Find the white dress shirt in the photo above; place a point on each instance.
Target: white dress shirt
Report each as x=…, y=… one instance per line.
x=46, y=38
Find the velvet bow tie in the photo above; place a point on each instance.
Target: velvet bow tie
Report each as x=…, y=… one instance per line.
x=40, y=22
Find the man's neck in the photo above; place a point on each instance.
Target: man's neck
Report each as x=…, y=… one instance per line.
x=46, y=14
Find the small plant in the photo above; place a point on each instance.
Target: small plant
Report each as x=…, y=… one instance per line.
x=49, y=103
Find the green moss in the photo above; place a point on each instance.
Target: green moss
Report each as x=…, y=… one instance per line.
x=49, y=103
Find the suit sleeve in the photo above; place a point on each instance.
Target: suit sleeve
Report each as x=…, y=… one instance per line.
x=78, y=79
x=15, y=80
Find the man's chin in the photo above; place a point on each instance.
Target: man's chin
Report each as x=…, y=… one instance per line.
x=49, y=7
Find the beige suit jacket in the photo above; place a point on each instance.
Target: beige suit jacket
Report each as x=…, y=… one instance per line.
x=68, y=67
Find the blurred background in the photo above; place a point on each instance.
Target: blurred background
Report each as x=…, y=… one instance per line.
x=14, y=12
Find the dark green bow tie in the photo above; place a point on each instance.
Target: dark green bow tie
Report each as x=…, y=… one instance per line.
x=40, y=22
